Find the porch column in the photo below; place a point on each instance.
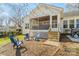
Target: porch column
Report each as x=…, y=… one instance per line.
x=68, y=23
x=58, y=23
x=75, y=23
x=51, y=22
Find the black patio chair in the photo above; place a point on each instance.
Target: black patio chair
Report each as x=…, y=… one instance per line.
x=26, y=36
x=16, y=43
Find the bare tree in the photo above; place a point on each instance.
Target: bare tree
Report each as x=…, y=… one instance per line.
x=72, y=6
x=20, y=11
x=1, y=20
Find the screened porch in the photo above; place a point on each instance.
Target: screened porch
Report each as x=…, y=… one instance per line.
x=40, y=23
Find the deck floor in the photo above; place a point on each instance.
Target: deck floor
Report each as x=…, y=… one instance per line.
x=37, y=48
x=34, y=48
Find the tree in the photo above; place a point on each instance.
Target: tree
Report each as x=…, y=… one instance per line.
x=20, y=12
x=1, y=20
x=17, y=14
x=72, y=6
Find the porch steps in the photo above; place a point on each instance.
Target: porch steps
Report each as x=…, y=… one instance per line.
x=53, y=36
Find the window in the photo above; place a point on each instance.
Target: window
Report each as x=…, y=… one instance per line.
x=71, y=23
x=27, y=26
x=77, y=24
x=54, y=21
x=65, y=24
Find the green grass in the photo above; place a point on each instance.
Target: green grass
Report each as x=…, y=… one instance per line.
x=7, y=40
x=4, y=40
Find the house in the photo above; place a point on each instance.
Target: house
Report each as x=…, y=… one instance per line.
x=50, y=21
x=7, y=29
x=41, y=19
x=2, y=29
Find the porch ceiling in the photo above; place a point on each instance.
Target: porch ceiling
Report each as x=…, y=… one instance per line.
x=42, y=18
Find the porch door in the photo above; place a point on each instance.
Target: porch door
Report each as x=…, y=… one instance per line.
x=54, y=23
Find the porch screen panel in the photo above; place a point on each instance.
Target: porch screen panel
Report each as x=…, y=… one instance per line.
x=44, y=23
x=40, y=23
x=54, y=21
x=34, y=24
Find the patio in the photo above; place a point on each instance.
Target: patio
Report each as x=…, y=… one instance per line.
x=38, y=48
x=34, y=48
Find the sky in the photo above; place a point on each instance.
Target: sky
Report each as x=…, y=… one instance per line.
x=6, y=9
x=59, y=4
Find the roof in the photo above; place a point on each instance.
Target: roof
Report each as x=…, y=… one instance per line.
x=52, y=6
x=36, y=11
x=47, y=5
x=71, y=14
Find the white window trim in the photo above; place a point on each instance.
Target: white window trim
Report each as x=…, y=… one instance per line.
x=76, y=23
x=67, y=24
x=54, y=29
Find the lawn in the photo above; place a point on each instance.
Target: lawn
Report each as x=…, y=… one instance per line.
x=7, y=40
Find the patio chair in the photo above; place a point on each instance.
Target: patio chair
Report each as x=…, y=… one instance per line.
x=16, y=43
x=26, y=37
x=37, y=36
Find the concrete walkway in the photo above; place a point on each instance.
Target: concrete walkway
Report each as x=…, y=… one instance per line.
x=73, y=39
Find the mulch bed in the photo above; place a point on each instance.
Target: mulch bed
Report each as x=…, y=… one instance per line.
x=63, y=38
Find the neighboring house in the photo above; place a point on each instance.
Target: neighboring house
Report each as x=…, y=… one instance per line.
x=2, y=29
x=70, y=20
x=7, y=29
x=45, y=17
x=12, y=29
